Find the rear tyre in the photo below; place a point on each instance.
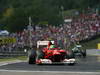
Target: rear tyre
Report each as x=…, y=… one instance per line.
x=40, y=54
x=32, y=57
x=70, y=55
x=84, y=53
x=71, y=64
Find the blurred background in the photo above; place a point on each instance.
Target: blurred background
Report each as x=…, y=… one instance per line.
x=24, y=22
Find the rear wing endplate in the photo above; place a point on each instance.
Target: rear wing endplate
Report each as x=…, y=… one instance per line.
x=43, y=43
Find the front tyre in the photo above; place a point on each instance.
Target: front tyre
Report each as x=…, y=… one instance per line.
x=40, y=54
x=70, y=55
x=32, y=57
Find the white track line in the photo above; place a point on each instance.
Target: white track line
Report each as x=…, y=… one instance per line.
x=9, y=62
x=3, y=64
x=71, y=72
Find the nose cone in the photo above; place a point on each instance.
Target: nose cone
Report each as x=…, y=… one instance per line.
x=56, y=52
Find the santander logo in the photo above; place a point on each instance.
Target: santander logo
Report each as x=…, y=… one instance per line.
x=56, y=52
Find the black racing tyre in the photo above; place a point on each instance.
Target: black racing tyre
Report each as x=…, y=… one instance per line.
x=32, y=57
x=71, y=64
x=70, y=55
x=84, y=53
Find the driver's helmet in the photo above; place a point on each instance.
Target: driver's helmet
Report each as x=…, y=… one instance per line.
x=52, y=46
x=77, y=43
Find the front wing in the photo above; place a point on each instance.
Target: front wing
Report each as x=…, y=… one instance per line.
x=48, y=61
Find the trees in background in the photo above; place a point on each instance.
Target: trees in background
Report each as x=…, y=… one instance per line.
x=14, y=13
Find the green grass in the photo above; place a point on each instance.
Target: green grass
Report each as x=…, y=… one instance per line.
x=22, y=58
x=14, y=58
x=89, y=44
x=7, y=59
x=93, y=44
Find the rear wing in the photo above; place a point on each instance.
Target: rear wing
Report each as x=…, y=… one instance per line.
x=43, y=43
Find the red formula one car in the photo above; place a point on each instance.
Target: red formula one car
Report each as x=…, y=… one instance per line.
x=51, y=55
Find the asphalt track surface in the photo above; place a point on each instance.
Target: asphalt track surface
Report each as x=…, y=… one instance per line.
x=83, y=65
x=89, y=64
